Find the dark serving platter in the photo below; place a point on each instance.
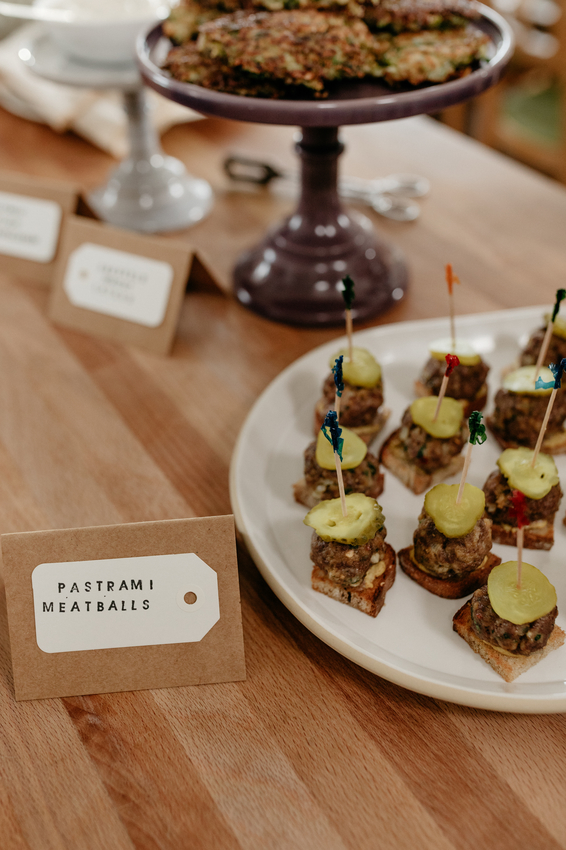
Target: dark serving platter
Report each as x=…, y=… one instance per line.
x=283, y=277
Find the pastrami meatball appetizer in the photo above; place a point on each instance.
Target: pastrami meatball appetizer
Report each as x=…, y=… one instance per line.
x=467, y=383
x=541, y=488
x=520, y=410
x=425, y=450
x=556, y=347
x=360, y=470
x=510, y=627
x=451, y=553
x=361, y=403
x=352, y=563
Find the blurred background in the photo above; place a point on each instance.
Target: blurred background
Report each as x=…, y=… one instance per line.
x=524, y=116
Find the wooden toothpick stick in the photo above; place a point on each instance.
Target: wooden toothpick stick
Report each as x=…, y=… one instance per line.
x=348, y=296
x=477, y=435
x=557, y=370
x=337, y=460
x=518, y=500
x=332, y=432
x=560, y=295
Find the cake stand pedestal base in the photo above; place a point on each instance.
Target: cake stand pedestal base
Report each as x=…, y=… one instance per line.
x=295, y=274
x=149, y=191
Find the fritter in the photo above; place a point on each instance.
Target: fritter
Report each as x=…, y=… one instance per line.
x=300, y=47
x=416, y=15
x=187, y=65
x=433, y=56
x=183, y=21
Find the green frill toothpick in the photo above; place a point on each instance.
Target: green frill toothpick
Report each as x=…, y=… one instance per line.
x=477, y=436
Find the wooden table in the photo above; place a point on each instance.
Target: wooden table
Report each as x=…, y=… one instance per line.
x=311, y=751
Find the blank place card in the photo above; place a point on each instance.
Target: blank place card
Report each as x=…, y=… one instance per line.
x=124, y=286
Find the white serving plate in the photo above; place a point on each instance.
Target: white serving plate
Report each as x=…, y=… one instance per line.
x=411, y=642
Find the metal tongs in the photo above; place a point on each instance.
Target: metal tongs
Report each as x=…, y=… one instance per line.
x=389, y=196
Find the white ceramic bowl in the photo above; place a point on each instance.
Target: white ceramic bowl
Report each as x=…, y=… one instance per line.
x=107, y=35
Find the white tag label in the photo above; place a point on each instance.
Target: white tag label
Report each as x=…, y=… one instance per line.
x=156, y=599
x=29, y=227
x=119, y=284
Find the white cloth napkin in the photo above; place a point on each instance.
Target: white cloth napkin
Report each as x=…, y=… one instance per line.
x=96, y=115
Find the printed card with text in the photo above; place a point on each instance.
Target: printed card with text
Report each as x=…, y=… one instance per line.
x=32, y=212
x=126, y=607
x=121, y=285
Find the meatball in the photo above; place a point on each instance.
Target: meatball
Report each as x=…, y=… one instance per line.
x=364, y=478
x=451, y=557
x=520, y=640
x=518, y=417
x=464, y=382
x=556, y=348
x=425, y=451
x=358, y=405
x=345, y=564
x=499, y=507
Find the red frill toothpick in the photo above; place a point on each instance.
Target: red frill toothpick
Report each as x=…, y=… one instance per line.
x=451, y=362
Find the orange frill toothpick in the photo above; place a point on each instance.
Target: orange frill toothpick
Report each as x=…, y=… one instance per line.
x=451, y=279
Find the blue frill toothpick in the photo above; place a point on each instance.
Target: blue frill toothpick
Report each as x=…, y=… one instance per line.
x=557, y=370
x=332, y=431
x=338, y=376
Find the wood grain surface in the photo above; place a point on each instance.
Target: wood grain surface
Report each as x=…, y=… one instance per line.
x=311, y=751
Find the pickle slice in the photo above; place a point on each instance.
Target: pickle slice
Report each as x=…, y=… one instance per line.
x=354, y=450
x=451, y=519
x=535, y=482
x=449, y=419
x=559, y=328
x=523, y=380
x=362, y=523
x=534, y=599
x=463, y=350
x=362, y=371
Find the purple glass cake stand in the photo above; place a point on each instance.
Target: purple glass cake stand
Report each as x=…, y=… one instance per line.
x=295, y=273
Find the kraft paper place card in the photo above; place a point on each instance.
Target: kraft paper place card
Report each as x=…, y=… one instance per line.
x=123, y=607
x=120, y=285
x=32, y=212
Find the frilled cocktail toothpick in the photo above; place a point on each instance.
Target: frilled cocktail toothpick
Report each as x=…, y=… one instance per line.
x=518, y=500
x=560, y=296
x=332, y=432
x=477, y=435
x=338, y=383
x=348, y=296
x=557, y=370
x=451, y=362
x=451, y=279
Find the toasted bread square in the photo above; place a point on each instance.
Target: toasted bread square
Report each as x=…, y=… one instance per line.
x=509, y=667
x=371, y=599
